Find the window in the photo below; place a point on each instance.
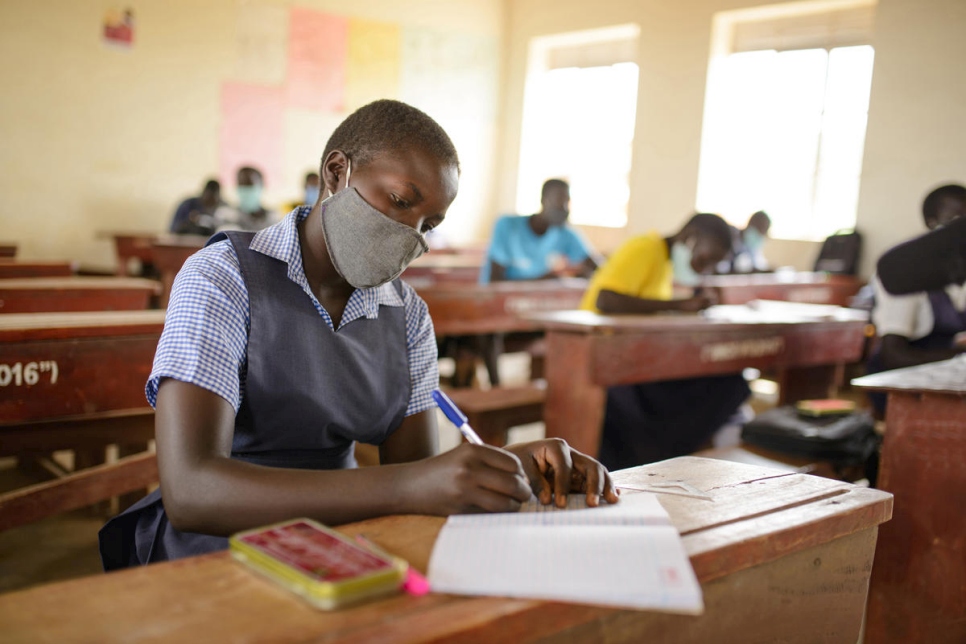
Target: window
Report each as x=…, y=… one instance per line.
x=578, y=123
x=784, y=129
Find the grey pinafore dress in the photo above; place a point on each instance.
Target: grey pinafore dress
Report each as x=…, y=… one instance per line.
x=308, y=394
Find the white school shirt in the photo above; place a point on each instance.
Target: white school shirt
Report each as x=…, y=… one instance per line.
x=909, y=316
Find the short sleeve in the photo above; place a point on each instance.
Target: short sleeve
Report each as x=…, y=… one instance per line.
x=421, y=350
x=577, y=249
x=499, y=251
x=897, y=314
x=205, y=337
x=627, y=269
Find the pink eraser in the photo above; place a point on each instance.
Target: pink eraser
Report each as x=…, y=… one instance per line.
x=415, y=583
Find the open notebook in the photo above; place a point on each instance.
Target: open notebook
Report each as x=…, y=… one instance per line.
x=626, y=555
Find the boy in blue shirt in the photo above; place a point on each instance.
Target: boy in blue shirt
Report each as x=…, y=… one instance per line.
x=539, y=246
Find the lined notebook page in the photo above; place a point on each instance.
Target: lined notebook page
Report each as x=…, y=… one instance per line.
x=627, y=555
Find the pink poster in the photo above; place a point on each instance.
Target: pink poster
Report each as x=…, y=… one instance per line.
x=252, y=131
x=316, y=60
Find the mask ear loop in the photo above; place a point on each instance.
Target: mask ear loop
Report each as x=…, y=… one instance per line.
x=348, y=173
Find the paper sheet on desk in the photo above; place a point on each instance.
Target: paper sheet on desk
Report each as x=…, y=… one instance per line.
x=771, y=311
x=627, y=556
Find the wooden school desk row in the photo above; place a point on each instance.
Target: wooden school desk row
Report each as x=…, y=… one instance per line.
x=12, y=268
x=73, y=381
x=780, y=557
x=64, y=294
x=918, y=589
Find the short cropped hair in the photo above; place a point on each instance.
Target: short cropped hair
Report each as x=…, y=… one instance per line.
x=211, y=184
x=713, y=226
x=761, y=216
x=551, y=184
x=387, y=126
x=253, y=171
x=930, y=205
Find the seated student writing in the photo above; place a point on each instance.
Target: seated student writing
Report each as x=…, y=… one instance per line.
x=922, y=327
x=283, y=347
x=747, y=245
x=653, y=421
x=199, y=215
x=539, y=246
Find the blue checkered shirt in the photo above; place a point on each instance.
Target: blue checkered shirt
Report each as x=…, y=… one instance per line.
x=205, y=337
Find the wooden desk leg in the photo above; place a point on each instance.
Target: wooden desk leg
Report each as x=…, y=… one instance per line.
x=918, y=591
x=808, y=383
x=574, y=410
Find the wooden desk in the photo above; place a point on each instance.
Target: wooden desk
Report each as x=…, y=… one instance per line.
x=918, y=590
x=169, y=253
x=131, y=246
x=468, y=309
x=586, y=353
x=80, y=364
x=436, y=269
x=8, y=249
x=76, y=381
x=810, y=288
x=69, y=294
x=11, y=268
x=780, y=556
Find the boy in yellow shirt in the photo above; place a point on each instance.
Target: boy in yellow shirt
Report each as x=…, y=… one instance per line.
x=653, y=421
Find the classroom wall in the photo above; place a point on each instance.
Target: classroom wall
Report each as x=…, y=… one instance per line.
x=915, y=136
x=97, y=138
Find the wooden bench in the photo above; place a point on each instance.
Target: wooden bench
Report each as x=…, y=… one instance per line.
x=12, y=268
x=131, y=248
x=491, y=412
x=8, y=249
x=804, y=287
x=76, y=381
x=77, y=490
x=73, y=294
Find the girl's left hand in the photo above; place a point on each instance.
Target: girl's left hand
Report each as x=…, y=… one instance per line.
x=555, y=470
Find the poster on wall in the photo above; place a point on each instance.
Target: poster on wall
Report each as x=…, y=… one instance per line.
x=119, y=28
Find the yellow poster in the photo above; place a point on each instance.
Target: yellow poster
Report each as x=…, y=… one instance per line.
x=372, y=71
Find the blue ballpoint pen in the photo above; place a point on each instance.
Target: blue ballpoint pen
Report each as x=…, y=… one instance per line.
x=455, y=416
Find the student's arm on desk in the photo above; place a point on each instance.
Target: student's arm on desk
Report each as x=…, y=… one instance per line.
x=896, y=353
x=610, y=302
x=207, y=491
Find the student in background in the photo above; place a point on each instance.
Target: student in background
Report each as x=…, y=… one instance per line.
x=197, y=215
x=539, y=246
x=251, y=214
x=312, y=188
x=928, y=326
x=650, y=422
x=283, y=347
x=747, y=245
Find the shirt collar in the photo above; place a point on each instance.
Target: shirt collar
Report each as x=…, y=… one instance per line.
x=281, y=241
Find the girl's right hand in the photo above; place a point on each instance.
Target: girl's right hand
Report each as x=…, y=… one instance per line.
x=470, y=478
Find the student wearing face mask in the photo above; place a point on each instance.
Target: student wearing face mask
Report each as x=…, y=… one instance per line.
x=312, y=188
x=250, y=215
x=747, y=244
x=650, y=422
x=539, y=246
x=282, y=348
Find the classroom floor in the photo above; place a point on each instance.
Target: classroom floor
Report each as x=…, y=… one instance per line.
x=65, y=547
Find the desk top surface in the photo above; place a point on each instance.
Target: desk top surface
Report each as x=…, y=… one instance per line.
x=587, y=322
x=19, y=327
x=756, y=515
x=948, y=377
x=79, y=283
x=778, y=278
x=510, y=288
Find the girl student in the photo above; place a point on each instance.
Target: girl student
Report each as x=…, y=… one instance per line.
x=284, y=346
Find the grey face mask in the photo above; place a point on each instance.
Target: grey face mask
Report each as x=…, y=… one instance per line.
x=367, y=247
